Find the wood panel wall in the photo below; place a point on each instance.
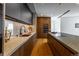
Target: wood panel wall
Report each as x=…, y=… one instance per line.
x=41, y=22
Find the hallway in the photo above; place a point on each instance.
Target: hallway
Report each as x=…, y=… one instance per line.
x=41, y=48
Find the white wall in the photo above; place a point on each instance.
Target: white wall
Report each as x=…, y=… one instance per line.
x=68, y=25
x=55, y=24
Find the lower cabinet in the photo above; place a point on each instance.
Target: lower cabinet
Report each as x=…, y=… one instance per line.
x=26, y=48
x=57, y=48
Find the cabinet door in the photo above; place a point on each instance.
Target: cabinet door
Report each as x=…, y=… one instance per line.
x=25, y=14
x=61, y=50
x=28, y=47
x=43, y=26
x=50, y=43
x=21, y=51
x=57, y=48
x=19, y=12
x=24, y=50
x=13, y=10
x=34, y=40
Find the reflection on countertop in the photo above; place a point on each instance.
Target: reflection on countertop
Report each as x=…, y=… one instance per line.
x=70, y=40
x=60, y=34
x=14, y=43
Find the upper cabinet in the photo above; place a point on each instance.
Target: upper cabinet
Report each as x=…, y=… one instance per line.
x=13, y=10
x=19, y=12
x=26, y=14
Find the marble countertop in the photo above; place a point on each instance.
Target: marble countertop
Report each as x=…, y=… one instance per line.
x=71, y=41
x=14, y=43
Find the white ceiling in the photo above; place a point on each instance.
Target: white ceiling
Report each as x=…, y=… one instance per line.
x=56, y=9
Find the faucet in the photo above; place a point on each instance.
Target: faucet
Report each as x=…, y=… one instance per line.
x=7, y=35
x=22, y=30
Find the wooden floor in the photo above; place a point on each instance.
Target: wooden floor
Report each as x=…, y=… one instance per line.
x=41, y=48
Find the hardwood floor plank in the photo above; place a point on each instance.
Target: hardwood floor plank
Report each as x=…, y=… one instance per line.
x=41, y=48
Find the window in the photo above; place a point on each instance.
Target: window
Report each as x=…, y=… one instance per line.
x=55, y=24
x=9, y=26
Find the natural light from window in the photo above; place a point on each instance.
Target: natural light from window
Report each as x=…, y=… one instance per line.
x=55, y=24
x=9, y=25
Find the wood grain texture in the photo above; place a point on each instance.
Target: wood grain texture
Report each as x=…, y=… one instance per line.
x=59, y=49
x=41, y=23
x=41, y=48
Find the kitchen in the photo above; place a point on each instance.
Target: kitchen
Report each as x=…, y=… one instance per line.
x=41, y=29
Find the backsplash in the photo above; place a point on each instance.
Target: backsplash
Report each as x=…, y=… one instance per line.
x=15, y=27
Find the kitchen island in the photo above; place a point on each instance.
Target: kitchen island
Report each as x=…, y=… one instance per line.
x=63, y=44
x=19, y=46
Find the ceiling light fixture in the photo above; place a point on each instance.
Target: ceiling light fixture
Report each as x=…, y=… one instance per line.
x=64, y=13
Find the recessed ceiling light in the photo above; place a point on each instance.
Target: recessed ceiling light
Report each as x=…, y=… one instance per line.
x=64, y=13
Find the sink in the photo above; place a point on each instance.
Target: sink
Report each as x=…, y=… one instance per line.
x=26, y=34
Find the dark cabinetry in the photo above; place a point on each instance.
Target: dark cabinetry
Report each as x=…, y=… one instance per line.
x=19, y=12
x=13, y=10
x=59, y=49
x=26, y=15
x=26, y=48
x=43, y=26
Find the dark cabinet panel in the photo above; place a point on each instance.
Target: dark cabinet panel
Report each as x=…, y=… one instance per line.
x=59, y=49
x=43, y=26
x=26, y=15
x=19, y=11
x=13, y=10
x=26, y=48
x=50, y=43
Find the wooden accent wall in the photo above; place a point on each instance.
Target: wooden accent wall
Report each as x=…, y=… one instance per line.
x=41, y=22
